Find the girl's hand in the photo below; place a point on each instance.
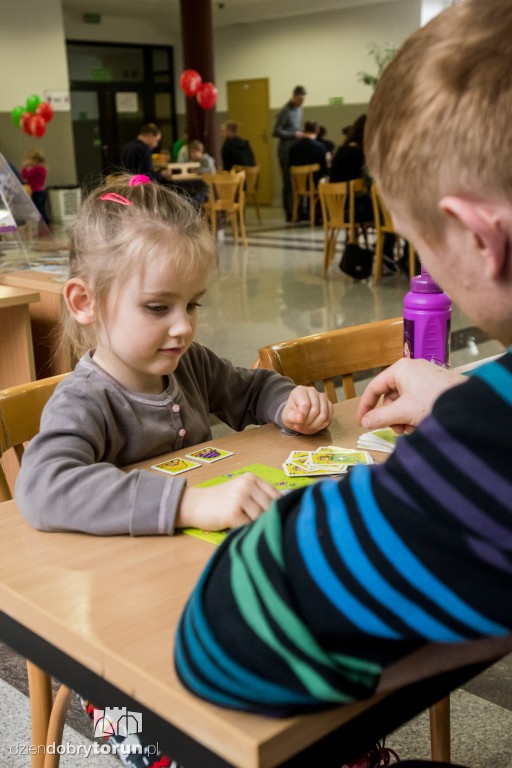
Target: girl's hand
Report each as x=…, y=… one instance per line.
x=307, y=411
x=410, y=388
x=228, y=505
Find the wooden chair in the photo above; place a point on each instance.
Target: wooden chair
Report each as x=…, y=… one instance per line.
x=252, y=181
x=226, y=195
x=357, y=187
x=383, y=226
x=20, y=413
x=303, y=185
x=324, y=356
x=333, y=198
x=341, y=353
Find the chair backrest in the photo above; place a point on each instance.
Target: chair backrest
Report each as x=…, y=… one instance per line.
x=333, y=197
x=381, y=215
x=252, y=177
x=324, y=356
x=226, y=189
x=302, y=178
x=20, y=414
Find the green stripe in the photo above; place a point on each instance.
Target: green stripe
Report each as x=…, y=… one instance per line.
x=355, y=669
x=249, y=608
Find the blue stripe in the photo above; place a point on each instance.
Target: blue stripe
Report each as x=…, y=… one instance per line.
x=498, y=378
x=187, y=674
x=351, y=552
x=325, y=578
x=242, y=682
x=408, y=564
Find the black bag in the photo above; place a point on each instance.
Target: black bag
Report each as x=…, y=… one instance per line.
x=357, y=261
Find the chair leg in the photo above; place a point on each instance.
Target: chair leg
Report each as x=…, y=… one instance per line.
x=377, y=265
x=295, y=207
x=234, y=226
x=242, y=228
x=440, y=730
x=57, y=720
x=327, y=249
x=312, y=202
x=40, y=690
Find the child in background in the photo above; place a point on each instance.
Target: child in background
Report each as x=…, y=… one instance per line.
x=140, y=258
x=33, y=173
x=196, y=154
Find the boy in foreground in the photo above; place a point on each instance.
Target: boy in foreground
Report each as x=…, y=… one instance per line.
x=336, y=582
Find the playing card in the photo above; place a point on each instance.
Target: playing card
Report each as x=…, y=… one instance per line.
x=209, y=454
x=176, y=466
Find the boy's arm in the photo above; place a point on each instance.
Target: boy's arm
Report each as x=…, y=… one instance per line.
x=305, y=607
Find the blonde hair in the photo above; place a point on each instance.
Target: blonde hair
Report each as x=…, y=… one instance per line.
x=109, y=241
x=35, y=156
x=439, y=121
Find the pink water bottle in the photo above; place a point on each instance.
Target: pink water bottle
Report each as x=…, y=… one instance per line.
x=427, y=320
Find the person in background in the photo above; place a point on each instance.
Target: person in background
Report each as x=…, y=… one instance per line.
x=308, y=151
x=197, y=154
x=288, y=128
x=329, y=145
x=33, y=173
x=339, y=580
x=235, y=150
x=140, y=260
x=136, y=154
x=178, y=144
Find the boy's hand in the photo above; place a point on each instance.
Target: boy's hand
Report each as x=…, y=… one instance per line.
x=410, y=388
x=307, y=411
x=228, y=505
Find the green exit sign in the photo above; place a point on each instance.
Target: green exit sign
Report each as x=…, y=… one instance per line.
x=336, y=100
x=101, y=74
x=92, y=18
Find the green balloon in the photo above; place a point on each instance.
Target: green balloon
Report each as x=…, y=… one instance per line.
x=33, y=102
x=16, y=114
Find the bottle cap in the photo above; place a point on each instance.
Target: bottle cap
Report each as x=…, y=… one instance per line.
x=423, y=283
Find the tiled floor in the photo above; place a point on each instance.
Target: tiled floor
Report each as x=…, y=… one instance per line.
x=273, y=291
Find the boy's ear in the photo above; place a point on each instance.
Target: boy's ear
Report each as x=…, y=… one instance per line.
x=483, y=223
x=79, y=301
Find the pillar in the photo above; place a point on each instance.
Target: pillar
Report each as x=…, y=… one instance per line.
x=197, y=42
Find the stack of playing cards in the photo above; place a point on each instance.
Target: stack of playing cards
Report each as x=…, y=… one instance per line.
x=379, y=440
x=328, y=460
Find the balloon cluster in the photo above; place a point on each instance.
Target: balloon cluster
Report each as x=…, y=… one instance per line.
x=192, y=85
x=32, y=118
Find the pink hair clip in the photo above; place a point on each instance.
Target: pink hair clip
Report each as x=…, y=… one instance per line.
x=139, y=178
x=115, y=198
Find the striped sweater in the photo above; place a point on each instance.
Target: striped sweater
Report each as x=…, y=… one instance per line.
x=305, y=607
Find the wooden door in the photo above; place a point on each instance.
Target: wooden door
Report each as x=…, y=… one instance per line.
x=248, y=105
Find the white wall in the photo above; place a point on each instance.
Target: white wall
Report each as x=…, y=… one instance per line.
x=324, y=52
x=32, y=50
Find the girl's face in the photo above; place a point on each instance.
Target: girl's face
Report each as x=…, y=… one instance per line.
x=148, y=325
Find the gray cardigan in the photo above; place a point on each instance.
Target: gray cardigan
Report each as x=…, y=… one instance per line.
x=70, y=477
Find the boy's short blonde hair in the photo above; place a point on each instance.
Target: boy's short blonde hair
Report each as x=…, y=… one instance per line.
x=439, y=122
x=111, y=241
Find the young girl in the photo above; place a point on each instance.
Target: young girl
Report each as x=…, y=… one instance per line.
x=33, y=173
x=140, y=258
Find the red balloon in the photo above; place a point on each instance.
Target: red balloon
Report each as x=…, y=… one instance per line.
x=207, y=96
x=45, y=111
x=25, y=117
x=190, y=82
x=36, y=126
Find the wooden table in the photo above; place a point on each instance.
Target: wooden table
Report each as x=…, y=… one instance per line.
x=45, y=317
x=16, y=350
x=184, y=171
x=16, y=347
x=101, y=613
